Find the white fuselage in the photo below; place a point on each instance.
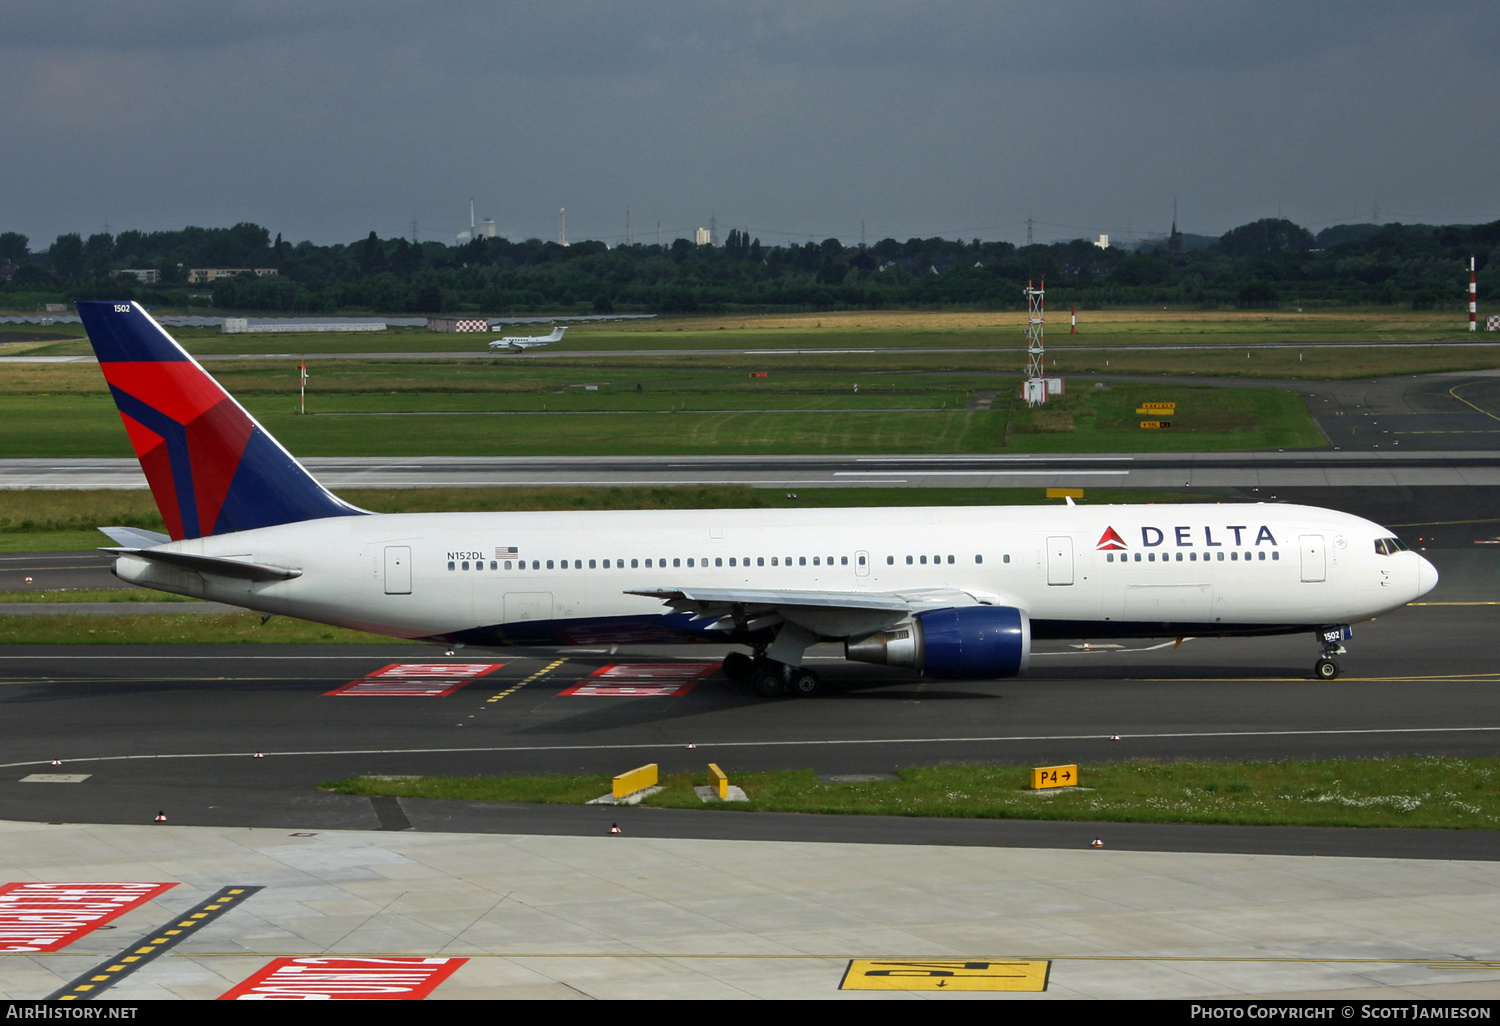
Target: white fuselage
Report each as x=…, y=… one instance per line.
x=1075, y=571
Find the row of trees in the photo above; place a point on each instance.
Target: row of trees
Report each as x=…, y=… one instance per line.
x=1266, y=263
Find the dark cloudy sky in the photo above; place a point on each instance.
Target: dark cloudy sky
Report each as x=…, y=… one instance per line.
x=325, y=119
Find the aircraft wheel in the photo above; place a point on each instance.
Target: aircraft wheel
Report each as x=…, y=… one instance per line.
x=738, y=666
x=1325, y=669
x=770, y=682
x=805, y=683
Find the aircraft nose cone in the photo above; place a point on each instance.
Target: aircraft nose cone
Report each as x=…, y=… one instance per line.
x=1427, y=576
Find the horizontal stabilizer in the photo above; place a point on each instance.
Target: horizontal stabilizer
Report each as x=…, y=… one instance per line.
x=136, y=537
x=235, y=568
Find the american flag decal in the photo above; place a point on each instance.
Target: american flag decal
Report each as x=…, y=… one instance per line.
x=506, y=551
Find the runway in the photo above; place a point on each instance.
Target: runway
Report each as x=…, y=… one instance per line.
x=177, y=728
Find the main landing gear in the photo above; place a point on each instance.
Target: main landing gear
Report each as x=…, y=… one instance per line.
x=1327, y=668
x=771, y=679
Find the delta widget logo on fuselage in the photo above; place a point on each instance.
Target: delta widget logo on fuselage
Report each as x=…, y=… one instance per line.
x=1188, y=537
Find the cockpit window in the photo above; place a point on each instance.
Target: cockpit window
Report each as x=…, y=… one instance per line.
x=1389, y=546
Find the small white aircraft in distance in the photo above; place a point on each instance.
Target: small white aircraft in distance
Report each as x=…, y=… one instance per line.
x=520, y=342
x=947, y=592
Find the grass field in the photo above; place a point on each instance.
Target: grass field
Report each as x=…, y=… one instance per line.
x=1438, y=793
x=417, y=409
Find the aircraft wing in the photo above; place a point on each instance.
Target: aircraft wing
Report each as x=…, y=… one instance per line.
x=829, y=614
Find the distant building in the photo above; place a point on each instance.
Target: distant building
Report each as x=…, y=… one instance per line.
x=144, y=275
x=1103, y=242
x=703, y=237
x=205, y=275
x=1174, y=241
x=486, y=228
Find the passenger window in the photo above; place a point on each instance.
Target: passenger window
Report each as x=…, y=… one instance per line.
x=801, y=560
x=922, y=560
x=731, y=561
x=677, y=561
x=591, y=565
x=890, y=560
x=718, y=561
x=908, y=561
x=1221, y=557
x=549, y=564
x=773, y=560
x=815, y=561
x=690, y=561
x=1275, y=555
x=450, y=564
x=760, y=560
x=507, y=564
x=1137, y=557
x=950, y=560
x=465, y=564
x=1179, y=557
x=843, y=561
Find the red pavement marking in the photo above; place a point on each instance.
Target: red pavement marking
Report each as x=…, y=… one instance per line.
x=655, y=671
x=409, y=670
x=414, y=680
x=398, y=979
x=50, y=916
x=642, y=680
x=642, y=690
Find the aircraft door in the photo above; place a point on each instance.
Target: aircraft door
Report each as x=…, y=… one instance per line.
x=861, y=564
x=1314, y=558
x=398, y=569
x=1060, y=560
x=521, y=606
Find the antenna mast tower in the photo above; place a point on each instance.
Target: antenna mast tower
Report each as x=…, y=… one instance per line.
x=1035, y=389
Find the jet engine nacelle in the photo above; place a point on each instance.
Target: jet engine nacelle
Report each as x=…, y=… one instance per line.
x=960, y=643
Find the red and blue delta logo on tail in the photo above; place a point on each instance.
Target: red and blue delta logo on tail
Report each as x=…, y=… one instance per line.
x=212, y=469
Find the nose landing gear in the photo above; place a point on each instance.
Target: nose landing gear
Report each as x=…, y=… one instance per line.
x=1327, y=668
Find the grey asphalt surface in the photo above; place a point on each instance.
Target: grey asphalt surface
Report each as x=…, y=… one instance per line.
x=177, y=729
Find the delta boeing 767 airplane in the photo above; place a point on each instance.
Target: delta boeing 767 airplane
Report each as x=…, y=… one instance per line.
x=946, y=592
